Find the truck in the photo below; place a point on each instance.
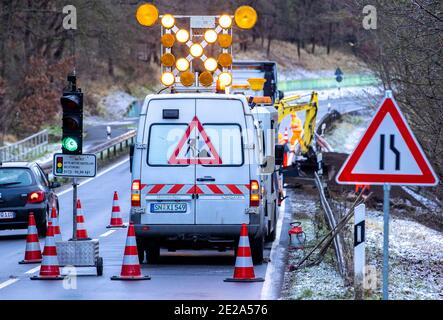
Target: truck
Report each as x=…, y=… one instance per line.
x=203, y=165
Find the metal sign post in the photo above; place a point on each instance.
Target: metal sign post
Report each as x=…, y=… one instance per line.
x=74, y=209
x=387, y=154
x=386, y=195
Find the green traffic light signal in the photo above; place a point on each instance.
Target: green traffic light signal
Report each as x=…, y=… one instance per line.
x=70, y=144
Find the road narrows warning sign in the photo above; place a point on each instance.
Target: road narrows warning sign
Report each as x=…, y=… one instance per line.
x=388, y=153
x=195, y=148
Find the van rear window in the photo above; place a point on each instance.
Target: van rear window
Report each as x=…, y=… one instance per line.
x=218, y=145
x=163, y=141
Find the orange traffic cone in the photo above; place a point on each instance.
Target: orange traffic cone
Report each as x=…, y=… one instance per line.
x=244, y=269
x=82, y=233
x=56, y=226
x=49, y=269
x=131, y=266
x=116, y=216
x=33, y=253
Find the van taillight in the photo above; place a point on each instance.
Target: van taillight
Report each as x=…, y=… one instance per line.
x=135, y=193
x=36, y=197
x=254, y=194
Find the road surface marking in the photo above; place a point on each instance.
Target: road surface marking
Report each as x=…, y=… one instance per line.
x=34, y=270
x=107, y=233
x=90, y=179
x=271, y=269
x=8, y=282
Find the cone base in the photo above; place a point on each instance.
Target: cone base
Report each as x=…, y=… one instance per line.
x=47, y=278
x=244, y=280
x=30, y=261
x=111, y=226
x=131, y=278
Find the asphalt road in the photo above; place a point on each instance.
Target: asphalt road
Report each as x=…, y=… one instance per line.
x=181, y=275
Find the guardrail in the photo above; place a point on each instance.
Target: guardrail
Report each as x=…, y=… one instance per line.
x=25, y=149
x=332, y=222
x=104, y=150
x=352, y=80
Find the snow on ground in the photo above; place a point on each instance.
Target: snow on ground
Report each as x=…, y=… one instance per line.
x=344, y=134
x=115, y=105
x=416, y=257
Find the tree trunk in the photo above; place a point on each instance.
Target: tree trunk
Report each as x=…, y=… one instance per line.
x=328, y=45
x=268, y=50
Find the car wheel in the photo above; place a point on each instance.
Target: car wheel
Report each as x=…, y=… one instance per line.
x=257, y=247
x=141, y=250
x=42, y=226
x=152, y=253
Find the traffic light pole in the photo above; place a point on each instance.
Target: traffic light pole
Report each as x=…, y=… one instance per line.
x=74, y=199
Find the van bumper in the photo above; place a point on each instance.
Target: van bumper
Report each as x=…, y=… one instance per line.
x=195, y=232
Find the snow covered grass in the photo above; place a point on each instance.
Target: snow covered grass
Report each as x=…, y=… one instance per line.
x=416, y=258
x=344, y=134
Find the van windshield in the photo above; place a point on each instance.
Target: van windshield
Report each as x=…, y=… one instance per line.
x=174, y=144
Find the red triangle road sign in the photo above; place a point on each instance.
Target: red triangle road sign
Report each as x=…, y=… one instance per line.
x=188, y=152
x=388, y=153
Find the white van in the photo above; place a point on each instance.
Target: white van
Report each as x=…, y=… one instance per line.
x=196, y=174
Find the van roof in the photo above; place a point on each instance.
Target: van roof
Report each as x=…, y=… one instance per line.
x=238, y=97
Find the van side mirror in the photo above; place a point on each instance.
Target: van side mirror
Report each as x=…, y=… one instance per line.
x=279, y=153
x=131, y=155
x=281, y=95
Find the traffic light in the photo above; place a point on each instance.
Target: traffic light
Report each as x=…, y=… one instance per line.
x=72, y=139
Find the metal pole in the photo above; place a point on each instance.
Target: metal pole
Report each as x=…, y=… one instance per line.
x=386, y=190
x=74, y=200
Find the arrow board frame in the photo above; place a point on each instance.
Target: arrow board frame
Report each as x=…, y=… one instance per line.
x=214, y=160
x=347, y=174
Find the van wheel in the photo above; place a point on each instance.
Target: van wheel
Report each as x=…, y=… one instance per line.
x=141, y=250
x=257, y=247
x=153, y=253
x=271, y=235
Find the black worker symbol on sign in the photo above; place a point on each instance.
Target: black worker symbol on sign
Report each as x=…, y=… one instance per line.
x=197, y=148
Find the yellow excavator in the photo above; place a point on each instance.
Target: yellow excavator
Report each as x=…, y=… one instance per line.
x=286, y=106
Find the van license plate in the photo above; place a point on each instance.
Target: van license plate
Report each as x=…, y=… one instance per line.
x=7, y=215
x=169, y=207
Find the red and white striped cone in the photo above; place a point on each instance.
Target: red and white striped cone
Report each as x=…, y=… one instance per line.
x=49, y=269
x=33, y=253
x=131, y=266
x=56, y=226
x=82, y=233
x=244, y=269
x=116, y=216
x=286, y=136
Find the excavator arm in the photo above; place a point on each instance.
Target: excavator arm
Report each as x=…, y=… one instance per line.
x=285, y=108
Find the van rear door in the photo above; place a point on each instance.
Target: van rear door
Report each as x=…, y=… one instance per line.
x=222, y=170
x=167, y=185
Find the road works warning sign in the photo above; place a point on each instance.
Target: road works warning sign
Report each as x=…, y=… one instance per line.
x=195, y=147
x=388, y=153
